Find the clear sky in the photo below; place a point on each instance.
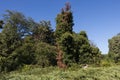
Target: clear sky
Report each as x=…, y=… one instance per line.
x=99, y=18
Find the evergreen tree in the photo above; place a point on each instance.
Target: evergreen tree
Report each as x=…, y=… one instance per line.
x=63, y=32
x=64, y=21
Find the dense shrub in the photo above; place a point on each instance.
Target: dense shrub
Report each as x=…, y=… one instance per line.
x=45, y=54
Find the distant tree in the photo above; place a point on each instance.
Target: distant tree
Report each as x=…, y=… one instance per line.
x=96, y=55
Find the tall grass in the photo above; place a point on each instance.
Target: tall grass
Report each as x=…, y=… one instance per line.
x=73, y=73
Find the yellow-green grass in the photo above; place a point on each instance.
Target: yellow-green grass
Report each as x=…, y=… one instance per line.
x=73, y=73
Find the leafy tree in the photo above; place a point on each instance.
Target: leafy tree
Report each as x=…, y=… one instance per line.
x=9, y=41
x=114, y=48
x=25, y=54
x=24, y=25
x=82, y=49
x=43, y=32
x=76, y=48
x=96, y=55
x=12, y=51
x=85, y=53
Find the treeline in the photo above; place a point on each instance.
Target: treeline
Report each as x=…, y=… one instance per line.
x=26, y=42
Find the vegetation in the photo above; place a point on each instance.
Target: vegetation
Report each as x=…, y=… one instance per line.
x=73, y=73
x=34, y=51
x=114, y=48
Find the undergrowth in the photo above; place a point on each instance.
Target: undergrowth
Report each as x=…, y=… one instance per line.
x=72, y=73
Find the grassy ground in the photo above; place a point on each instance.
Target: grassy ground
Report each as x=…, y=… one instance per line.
x=73, y=73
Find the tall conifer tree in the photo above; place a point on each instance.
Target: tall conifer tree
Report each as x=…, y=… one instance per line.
x=64, y=21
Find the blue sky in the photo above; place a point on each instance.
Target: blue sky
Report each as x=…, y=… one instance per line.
x=99, y=18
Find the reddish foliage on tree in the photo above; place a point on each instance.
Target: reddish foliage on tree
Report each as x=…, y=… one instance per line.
x=59, y=59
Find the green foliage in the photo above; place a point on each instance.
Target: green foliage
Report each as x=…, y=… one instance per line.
x=9, y=41
x=85, y=53
x=25, y=54
x=96, y=55
x=45, y=54
x=52, y=73
x=26, y=42
x=83, y=33
x=14, y=51
x=1, y=23
x=114, y=48
x=43, y=32
x=23, y=25
x=79, y=41
x=106, y=61
x=77, y=49
x=64, y=22
x=67, y=44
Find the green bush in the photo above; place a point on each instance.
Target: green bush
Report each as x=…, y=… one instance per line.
x=105, y=63
x=45, y=54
